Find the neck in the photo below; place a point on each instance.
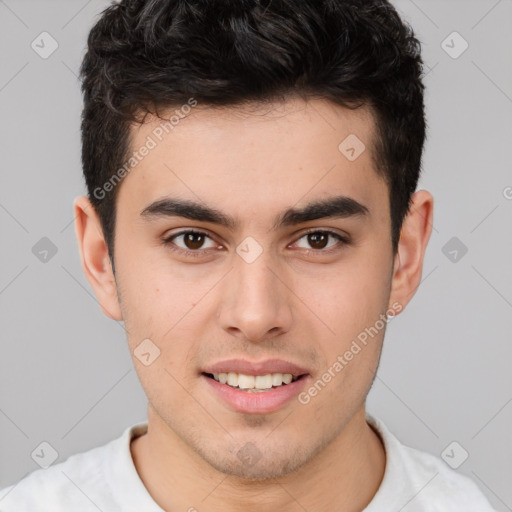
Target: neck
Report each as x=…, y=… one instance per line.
x=344, y=475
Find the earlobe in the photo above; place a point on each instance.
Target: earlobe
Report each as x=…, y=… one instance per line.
x=95, y=258
x=414, y=237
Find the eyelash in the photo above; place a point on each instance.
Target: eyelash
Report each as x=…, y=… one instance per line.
x=200, y=252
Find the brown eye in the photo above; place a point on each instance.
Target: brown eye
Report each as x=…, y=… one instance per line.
x=189, y=241
x=193, y=240
x=319, y=240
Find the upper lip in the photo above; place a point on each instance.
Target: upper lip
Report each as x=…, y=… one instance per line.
x=262, y=367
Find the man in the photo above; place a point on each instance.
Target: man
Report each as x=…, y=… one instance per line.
x=252, y=219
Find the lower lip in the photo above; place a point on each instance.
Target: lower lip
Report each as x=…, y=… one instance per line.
x=257, y=403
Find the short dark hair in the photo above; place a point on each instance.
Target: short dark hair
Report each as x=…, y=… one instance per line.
x=147, y=55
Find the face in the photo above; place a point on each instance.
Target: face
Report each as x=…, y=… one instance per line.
x=261, y=285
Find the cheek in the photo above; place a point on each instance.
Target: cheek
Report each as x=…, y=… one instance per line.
x=352, y=307
x=167, y=306
x=155, y=293
x=160, y=307
x=347, y=297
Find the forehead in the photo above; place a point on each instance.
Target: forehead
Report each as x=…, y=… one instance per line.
x=255, y=155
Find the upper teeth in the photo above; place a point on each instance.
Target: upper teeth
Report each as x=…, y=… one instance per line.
x=254, y=382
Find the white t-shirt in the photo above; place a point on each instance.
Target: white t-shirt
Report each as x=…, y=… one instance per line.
x=105, y=479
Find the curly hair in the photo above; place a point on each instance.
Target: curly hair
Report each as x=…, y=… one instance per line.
x=146, y=55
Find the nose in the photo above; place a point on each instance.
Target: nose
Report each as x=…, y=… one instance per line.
x=256, y=300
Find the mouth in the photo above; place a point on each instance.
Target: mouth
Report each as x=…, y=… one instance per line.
x=255, y=387
x=254, y=383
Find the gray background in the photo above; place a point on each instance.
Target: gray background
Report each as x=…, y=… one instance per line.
x=66, y=375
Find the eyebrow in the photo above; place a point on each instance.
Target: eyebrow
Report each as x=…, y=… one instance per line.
x=333, y=207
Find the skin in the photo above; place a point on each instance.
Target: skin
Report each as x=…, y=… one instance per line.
x=287, y=304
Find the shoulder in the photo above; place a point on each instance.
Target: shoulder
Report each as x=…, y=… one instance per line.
x=424, y=481
x=66, y=482
x=441, y=483
x=81, y=481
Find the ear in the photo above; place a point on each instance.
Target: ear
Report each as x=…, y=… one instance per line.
x=95, y=259
x=414, y=237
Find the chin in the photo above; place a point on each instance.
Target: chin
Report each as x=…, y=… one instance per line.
x=262, y=470
x=252, y=463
